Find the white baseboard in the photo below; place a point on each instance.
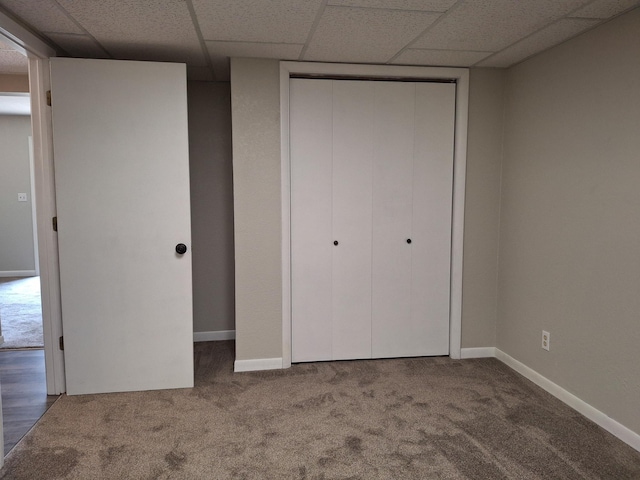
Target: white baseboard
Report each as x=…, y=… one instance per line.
x=257, y=364
x=609, y=424
x=18, y=273
x=214, y=336
x=479, y=352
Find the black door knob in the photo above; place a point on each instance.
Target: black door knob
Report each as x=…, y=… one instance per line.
x=335, y=242
x=181, y=249
x=408, y=240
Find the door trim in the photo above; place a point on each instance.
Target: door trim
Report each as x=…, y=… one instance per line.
x=39, y=83
x=458, y=75
x=38, y=54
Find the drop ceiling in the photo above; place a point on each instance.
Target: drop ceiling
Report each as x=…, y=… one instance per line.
x=205, y=33
x=12, y=62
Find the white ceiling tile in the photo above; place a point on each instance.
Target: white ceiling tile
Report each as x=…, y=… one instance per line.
x=443, y=58
x=140, y=29
x=365, y=35
x=278, y=21
x=492, y=25
x=424, y=5
x=43, y=15
x=13, y=62
x=605, y=8
x=281, y=51
x=545, y=38
x=81, y=46
x=359, y=31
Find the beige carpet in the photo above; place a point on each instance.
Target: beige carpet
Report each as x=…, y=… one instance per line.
x=21, y=313
x=430, y=418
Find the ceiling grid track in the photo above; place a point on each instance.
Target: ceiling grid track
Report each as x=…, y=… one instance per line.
x=313, y=28
x=203, y=44
x=445, y=33
x=79, y=25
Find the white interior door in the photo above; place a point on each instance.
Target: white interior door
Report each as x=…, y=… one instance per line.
x=122, y=193
x=413, y=181
x=392, y=219
x=332, y=140
x=371, y=205
x=432, y=217
x=311, y=220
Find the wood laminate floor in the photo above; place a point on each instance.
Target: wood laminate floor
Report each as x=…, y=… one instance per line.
x=24, y=392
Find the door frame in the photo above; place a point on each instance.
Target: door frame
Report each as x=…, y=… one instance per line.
x=338, y=70
x=38, y=54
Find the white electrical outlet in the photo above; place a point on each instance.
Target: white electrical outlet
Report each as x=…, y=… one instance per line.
x=22, y=197
x=546, y=340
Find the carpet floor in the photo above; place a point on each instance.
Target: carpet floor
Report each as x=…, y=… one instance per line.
x=21, y=313
x=418, y=418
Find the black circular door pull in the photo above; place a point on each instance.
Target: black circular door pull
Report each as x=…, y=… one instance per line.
x=181, y=249
x=335, y=242
x=408, y=240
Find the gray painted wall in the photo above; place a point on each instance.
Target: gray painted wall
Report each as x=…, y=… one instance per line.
x=16, y=224
x=570, y=222
x=256, y=160
x=255, y=101
x=211, y=205
x=482, y=207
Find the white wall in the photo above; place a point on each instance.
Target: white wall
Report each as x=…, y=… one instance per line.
x=570, y=221
x=16, y=224
x=211, y=206
x=256, y=175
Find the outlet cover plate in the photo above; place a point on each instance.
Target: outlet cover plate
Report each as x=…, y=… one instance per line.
x=546, y=340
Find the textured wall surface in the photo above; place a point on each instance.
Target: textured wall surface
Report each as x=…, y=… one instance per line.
x=255, y=100
x=16, y=224
x=570, y=229
x=14, y=83
x=482, y=207
x=211, y=179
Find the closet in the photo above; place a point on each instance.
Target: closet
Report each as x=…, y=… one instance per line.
x=371, y=206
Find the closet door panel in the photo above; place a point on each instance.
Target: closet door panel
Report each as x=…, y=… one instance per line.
x=432, y=203
x=311, y=219
x=392, y=218
x=353, y=135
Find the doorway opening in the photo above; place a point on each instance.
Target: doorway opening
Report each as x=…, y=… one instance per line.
x=20, y=303
x=22, y=356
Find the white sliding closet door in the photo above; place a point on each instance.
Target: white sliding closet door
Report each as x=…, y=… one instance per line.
x=371, y=197
x=413, y=180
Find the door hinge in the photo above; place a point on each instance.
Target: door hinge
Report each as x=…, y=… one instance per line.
x=49, y=97
x=54, y=222
x=61, y=341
